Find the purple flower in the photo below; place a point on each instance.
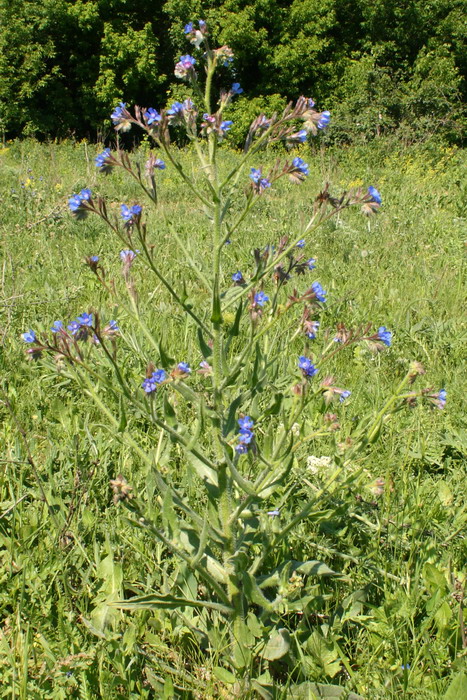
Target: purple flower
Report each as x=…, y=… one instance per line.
x=241, y=449
x=225, y=126
x=300, y=165
x=74, y=327
x=344, y=395
x=188, y=28
x=152, y=116
x=57, y=326
x=236, y=89
x=113, y=326
x=184, y=367
x=159, y=164
x=245, y=435
x=384, y=335
x=274, y=513
x=260, y=298
x=319, y=292
x=202, y=24
x=29, y=336
x=311, y=263
x=324, y=120
x=184, y=66
x=101, y=160
x=237, y=277
x=375, y=195
x=130, y=213
x=301, y=243
x=94, y=258
x=307, y=367
x=310, y=103
x=150, y=383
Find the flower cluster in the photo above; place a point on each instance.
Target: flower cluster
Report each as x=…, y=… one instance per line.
x=185, y=68
x=307, y=367
x=102, y=161
x=245, y=435
x=260, y=183
x=77, y=203
x=151, y=383
x=130, y=214
x=121, y=118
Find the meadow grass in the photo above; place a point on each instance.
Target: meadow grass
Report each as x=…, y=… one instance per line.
x=63, y=545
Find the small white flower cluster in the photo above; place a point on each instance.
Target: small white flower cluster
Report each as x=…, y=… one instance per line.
x=314, y=464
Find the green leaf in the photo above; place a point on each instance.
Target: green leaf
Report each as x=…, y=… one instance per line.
x=167, y=602
x=223, y=675
x=314, y=691
x=205, y=473
x=234, y=329
x=277, y=646
x=253, y=592
x=204, y=347
x=458, y=688
x=166, y=360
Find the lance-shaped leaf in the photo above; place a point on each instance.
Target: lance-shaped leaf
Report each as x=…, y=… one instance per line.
x=154, y=601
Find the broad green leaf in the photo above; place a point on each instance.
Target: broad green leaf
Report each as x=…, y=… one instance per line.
x=277, y=646
x=458, y=688
x=223, y=675
x=253, y=592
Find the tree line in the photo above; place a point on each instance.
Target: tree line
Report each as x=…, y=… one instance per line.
x=378, y=65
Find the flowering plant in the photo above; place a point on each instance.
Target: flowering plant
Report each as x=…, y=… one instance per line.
x=242, y=419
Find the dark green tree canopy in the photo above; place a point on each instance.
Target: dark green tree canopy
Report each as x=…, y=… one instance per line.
x=375, y=63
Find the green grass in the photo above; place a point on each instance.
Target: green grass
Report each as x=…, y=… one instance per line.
x=64, y=547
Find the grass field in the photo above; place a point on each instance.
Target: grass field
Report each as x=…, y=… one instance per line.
x=394, y=624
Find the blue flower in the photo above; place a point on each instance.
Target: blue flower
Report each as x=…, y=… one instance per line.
x=260, y=298
x=236, y=89
x=375, y=195
x=113, y=326
x=311, y=263
x=307, y=367
x=274, y=513
x=101, y=159
x=441, y=398
x=129, y=213
x=152, y=116
x=301, y=243
x=117, y=114
x=225, y=126
x=344, y=395
x=188, y=28
x=300, y=136
x=159, y=164
x=76, y=203
x=319, y=292
x=94, y=258
x=127, y=256
x=237, y=277
x=57, y=326
x=120, y=118
x=29, y=336
x=176, y=110
x=74, y=327
x=184, y=367
x=202, y=24
x=384, y=335
x=241, y=449
x=184, y=66
x=246, y=423
x=85, y=320
x=255, y=175
x=150, y=383
x=300, y=165
x=311, y=329
x=324, y=120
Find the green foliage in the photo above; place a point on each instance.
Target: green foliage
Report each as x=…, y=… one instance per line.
x=65, y=64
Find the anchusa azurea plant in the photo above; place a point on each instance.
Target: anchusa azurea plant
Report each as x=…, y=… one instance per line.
x=258, y=393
